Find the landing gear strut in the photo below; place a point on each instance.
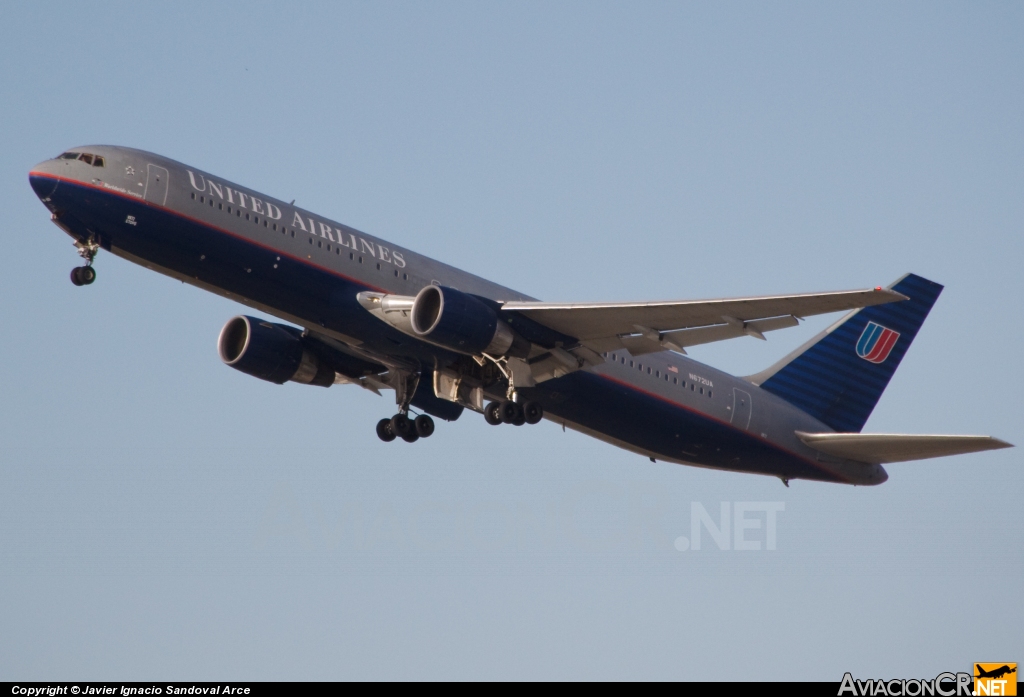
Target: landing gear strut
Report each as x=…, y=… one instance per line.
x=84, y=275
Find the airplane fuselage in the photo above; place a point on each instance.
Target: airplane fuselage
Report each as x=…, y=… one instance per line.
x=307, y=269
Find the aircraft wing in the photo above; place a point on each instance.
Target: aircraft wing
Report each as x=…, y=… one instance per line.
x=888, y=447
x=656, y=326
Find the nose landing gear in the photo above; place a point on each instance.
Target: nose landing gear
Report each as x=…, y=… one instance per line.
x=84, y=275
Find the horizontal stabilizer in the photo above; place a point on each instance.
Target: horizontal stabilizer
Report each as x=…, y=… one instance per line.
x=882, y=448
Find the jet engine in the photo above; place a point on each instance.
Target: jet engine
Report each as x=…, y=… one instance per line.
x=271, y=352
x=463, y=323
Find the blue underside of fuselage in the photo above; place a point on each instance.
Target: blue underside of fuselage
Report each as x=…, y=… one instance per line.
x=302, y=289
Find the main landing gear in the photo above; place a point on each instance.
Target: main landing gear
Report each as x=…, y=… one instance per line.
x=84, y=275
x=401, y=426
x=509, y=412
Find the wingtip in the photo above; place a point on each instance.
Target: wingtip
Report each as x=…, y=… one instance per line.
x=895, y=295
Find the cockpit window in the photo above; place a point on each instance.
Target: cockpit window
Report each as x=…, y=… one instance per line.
x=94, y=160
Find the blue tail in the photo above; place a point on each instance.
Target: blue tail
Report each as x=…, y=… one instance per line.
x=839, y=375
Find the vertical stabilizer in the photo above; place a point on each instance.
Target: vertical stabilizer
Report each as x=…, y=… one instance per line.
x=839, y=375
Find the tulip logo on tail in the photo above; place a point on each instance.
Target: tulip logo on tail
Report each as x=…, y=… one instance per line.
x=876, y=343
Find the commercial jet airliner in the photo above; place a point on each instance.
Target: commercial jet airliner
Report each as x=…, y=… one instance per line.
x=363, y=311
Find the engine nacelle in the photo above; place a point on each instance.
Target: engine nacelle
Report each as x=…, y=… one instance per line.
x=463, y=323
x=271, y=352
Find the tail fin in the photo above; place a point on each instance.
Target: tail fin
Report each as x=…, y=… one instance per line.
x=839, y=375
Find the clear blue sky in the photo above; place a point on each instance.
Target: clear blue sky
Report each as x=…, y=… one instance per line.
x=165, y=517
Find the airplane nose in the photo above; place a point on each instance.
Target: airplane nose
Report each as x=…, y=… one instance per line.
x=43, y=178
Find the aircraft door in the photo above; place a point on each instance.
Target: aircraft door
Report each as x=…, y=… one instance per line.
x=742, y=409
x=156, y=184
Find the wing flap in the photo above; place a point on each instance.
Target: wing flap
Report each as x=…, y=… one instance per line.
x=589, y=321
x=883, y=448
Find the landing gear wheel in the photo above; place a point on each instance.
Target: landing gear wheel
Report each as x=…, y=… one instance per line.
x=509, y=411
x=384, y=431
x=424, y=426
x=411, y=436
x=520, y=416
x=401, y=426
x=492, y=413
x=83, y=275
x=533, y=412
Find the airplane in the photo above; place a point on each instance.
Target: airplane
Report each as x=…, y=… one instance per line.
x=996, y=673
x=363, y=311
